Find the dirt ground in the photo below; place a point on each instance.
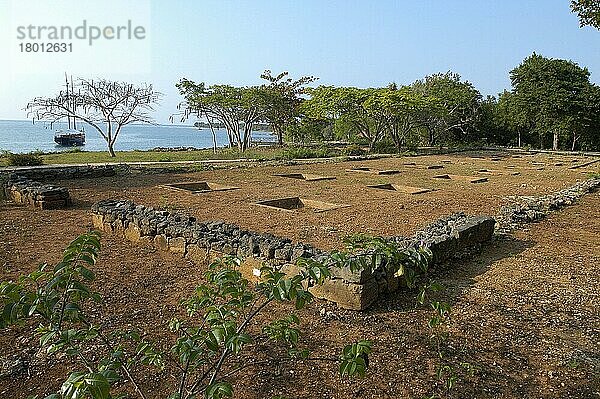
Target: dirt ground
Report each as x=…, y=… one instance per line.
x=525, y=312
x=379, y=212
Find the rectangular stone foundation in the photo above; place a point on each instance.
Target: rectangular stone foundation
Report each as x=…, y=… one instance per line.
x=202, y=242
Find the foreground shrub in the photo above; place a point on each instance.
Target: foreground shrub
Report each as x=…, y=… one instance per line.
x=30, y=159
x=353, y=150
x=211, y=343
x=308, y=152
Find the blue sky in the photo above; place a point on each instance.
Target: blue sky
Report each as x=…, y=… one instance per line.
x=358, y=43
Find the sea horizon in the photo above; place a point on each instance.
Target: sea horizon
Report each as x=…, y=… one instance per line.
x=23, y=136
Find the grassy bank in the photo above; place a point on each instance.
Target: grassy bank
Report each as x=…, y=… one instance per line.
x=270, y=153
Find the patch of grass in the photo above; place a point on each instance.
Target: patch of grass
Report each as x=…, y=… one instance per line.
x=157, y=156
x=80, y=156
x=354, y=149
x=594, y=175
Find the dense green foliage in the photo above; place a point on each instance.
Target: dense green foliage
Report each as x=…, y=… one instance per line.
x=552, y=104
x=240, y=108
x=30, y=159
x=281, y=99
x=555, y=100
x=588, y=12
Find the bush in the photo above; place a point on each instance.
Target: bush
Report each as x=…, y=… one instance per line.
x=384, y=147
x=353, y=150
x=30, y=159
x=212, y=343
x=594, y=175
x=307, y=152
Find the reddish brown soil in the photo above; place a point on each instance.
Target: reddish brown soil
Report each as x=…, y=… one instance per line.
x=525, y=312
x=373, y=211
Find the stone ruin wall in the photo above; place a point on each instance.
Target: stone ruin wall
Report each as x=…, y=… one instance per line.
x=203, y=241
x=43, y=196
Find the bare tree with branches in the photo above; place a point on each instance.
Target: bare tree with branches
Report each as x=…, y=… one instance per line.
x=105, y=105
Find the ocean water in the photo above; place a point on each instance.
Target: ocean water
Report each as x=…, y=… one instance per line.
x=24, y=136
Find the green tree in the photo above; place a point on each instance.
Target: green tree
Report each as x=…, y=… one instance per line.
x=588, y=12
x=586, y=129
x=489, y=127
x=281, y=98
x=105, y=105
x=501, y=122
x=360, y=109
x=453, y=108
x=404, y=108
x=237, y=108
x=550, y=95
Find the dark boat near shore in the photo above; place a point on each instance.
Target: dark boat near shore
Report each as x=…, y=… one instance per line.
x=69, y=138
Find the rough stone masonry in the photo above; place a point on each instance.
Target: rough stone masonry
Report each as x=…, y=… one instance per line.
x=203, y=241
x=24, y=191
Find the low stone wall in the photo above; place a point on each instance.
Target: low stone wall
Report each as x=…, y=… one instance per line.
x=65, y=172
x=525, y=209
x=24, y=191
x=202, y=241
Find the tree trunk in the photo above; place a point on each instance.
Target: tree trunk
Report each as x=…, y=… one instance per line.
x=555, y=141
x=431, y=136
x=519, y=142
x=111, y=150
x=574, y=141
x=214, y=136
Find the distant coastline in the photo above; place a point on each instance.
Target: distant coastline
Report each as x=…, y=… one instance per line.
x=257, y=127
x=22, y=136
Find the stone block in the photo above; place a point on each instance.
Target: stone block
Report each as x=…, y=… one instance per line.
x=250, y=268
x=161, y=242
x=228, y=249
x=132, y=233
x=57, y=204
x=284, y=254
x=16, y=196
x=443, y=248
x=290, y=269
x=357, y=277
x=197, y=254
x=477, y=230
x=347, y=295
x=177, y=245
x=98, y=221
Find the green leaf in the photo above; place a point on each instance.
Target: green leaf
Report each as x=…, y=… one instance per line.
x=86, y=273
x=218, y=390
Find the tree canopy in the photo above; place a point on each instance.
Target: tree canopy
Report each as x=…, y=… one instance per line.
x=238, y=108
x=552, y=96
x=588, y=12
x=456, y=110
x=281, y=98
